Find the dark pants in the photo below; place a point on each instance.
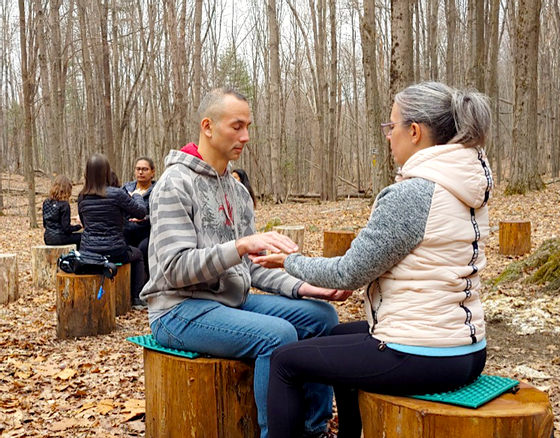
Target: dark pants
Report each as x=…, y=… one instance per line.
x=65, y=239
x=136, y=260
x=143, y=247
x=349, y=359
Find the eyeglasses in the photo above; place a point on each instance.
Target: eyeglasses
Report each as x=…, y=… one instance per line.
x=387, y=128
x=141, y=169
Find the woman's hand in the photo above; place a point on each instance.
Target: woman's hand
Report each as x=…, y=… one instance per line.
x=307, y=290
x=76, y=219
x=270, y=261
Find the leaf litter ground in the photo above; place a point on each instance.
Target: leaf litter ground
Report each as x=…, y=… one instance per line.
x=94, y=386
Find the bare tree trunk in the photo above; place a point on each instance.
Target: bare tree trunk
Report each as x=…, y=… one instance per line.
x=525, y=172
x=493, y=149
x=332, y=181
x=379, y=150
x=197, y=61
x=114, y=159
x=451, y=20
x=401, y=72
x=275, y=141
x=433, y=8
x=28, y=91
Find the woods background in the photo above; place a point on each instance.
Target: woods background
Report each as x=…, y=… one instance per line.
x=125, y=78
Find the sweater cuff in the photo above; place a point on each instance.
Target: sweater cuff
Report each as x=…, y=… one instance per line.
x=230, y=254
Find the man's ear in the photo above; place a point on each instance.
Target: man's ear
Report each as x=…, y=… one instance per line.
x=206, y=127
x=415, y=133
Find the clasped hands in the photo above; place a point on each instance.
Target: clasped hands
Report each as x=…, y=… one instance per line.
x=279, y=247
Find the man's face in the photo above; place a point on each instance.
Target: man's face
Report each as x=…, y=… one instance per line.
x=230, y=130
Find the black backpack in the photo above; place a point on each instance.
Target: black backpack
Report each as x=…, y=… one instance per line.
x=85, y=262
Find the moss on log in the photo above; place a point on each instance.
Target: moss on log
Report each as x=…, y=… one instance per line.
x=545, y=260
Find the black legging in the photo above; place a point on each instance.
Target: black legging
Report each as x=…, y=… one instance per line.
x=349, y=359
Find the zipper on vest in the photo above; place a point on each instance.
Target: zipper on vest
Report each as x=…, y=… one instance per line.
x=382, y=346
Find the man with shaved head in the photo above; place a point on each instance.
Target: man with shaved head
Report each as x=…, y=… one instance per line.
x=203, y=232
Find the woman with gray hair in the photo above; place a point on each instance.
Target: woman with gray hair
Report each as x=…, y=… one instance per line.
x=419, y=255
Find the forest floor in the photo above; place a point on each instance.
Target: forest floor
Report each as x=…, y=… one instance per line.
x=94, y=387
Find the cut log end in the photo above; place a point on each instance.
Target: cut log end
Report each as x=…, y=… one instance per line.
x=515, y=237
x=337, y=242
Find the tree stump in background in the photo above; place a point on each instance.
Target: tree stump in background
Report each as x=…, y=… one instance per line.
x=198, y=398
x=9, y=290
x=525, y=414
x=515, y=237
x=337, y=242
x=294, y=232
x=43, y=263
x=78, y=310
x=120, y=287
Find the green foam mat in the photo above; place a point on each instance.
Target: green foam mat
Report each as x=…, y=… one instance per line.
x=482, y=390
x=148, y=341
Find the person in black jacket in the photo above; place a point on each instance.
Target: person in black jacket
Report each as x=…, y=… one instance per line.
x=102, y=208
x=56, y=215
x=137, y=231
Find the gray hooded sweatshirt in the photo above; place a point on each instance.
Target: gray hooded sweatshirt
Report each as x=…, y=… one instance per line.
x=196, y=216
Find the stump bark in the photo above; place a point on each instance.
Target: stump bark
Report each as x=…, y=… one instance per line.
x=198, y=398
x=9, y=289
x=78, y=310
x=121, y=287
x=43, y=263
x=515, y=237
x=294, y=232
x=337, y=242
x=526, y=414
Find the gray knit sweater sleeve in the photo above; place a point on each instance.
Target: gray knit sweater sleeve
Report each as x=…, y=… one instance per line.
x=395, y=227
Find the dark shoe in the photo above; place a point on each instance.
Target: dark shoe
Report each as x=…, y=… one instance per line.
x=139, y=304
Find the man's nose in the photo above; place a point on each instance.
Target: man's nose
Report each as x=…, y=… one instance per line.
x=244, y=136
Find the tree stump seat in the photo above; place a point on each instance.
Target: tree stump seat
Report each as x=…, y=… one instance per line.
x=515, y=237
x=9, y=289
x=121, y=286
x=294, y=232
x=44, y=263
x=79, y=311
x=197, y=397
x=337, y=242
x=526, y=413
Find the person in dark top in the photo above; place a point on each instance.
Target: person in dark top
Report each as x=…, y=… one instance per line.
x=56, y=215
x=102, y=208
x=241, y=176
x=137, y=231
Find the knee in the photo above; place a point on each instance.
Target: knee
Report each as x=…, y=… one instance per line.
x=328, y=318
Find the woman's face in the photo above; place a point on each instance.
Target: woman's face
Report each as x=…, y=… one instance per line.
x=143, y=172
x=236, y=176
x=400, y=138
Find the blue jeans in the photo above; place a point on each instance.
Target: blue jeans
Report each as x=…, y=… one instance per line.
x=254, y=330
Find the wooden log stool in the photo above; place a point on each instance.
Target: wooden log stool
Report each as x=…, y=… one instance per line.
x=337, y=242
x=9, y=290
x=78, y=310
x=197, y=398
x=294, y=232
x=515, y=237
x=524, y=414
x=121, y=287
x=44, y=262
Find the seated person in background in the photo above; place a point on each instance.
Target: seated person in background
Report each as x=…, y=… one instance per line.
x=114, y=180
x=137, y=231
x=56, y=215
x=241, y=176
x=420, y=254
x=101, y=208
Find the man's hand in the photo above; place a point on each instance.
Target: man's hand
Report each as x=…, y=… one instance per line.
x=307, y=290
x=272, y=241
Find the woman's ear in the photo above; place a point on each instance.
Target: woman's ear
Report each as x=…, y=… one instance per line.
x=415, y=133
